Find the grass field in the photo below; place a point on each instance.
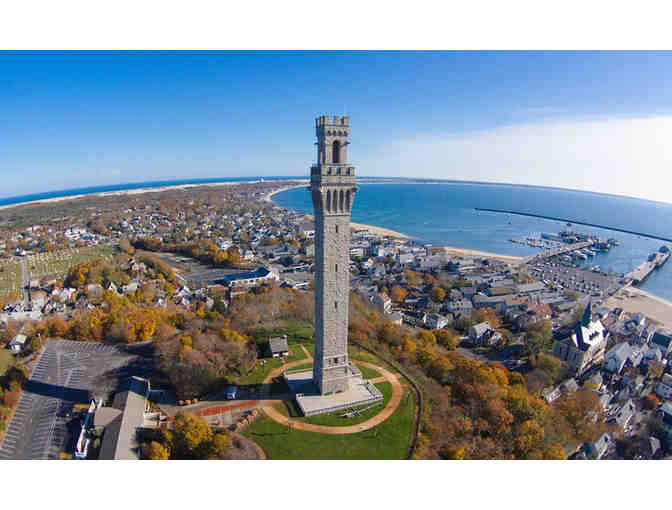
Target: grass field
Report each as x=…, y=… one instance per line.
x=297, y=332
x=368, y=373
x=10, y=278
x=6, y=360
x=266, y=365
x=288, y=408
x=56, y=264
x=388, y=441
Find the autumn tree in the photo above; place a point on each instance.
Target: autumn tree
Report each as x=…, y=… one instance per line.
x=191, y=437
x=155, y=451
x=655, y=368
x=437, y=294
x=398, y=294
x=446, y=338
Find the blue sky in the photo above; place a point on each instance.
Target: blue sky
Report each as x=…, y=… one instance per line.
x=597, y=121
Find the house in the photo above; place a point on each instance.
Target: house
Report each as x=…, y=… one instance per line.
x=382, y=301
x=122, y=421
x=617, y=357
x=460, y=306
x=624, y=414
x=436, y=321
x=278, y=346
x=396, y=318
x=17, y=343
x=599, y=448
x=663, y=339
x=483, y=334
x=583, y=345
x=664, y=387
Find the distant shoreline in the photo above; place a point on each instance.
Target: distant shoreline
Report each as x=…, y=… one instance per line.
x=130, y=191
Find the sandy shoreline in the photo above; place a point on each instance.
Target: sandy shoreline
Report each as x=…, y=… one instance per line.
x=267, y=198
x=464, y=252
x=634, y=300
x=137, y=191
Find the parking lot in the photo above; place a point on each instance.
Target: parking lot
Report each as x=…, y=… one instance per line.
x=67, y=373
x=579, y=279
x=194, y=273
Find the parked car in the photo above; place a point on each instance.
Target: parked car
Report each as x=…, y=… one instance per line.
x=232, y=393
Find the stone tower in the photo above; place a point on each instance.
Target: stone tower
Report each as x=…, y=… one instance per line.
x=332, y=185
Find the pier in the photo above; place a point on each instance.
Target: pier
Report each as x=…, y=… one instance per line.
x=641, y=272
x=642, y=234
x=557, y=251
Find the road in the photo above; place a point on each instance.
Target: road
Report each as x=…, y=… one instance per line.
x=24, y=282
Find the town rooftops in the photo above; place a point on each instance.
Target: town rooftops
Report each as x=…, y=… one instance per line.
x=119, y=441
x=662, y=338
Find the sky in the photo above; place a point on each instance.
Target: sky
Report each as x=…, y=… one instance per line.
x=592, y=121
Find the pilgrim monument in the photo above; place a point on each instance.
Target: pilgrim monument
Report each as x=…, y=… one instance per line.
x=332, y=186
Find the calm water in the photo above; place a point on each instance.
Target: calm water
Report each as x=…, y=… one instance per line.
x=444, y=214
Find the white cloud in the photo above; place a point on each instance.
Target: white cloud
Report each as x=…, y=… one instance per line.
x=630, y=157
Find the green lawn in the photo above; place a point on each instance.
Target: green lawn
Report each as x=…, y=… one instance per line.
x=57, y=263
x=389, y=440
x=6, y=360
x=368, y=373
x=264, y=366
x=297, y=332
x=289, y=408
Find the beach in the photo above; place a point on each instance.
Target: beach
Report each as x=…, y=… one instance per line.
x=267, y=198
x=138, y=191
x=634, y=300
x=463, y=252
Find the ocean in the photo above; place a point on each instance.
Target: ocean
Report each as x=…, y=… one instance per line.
x=444, y=214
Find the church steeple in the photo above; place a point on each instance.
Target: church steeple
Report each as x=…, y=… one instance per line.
x=587, y=315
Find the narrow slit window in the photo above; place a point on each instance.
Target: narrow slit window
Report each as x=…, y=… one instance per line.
x=337, y=229
x=335, y=305
x=336, y=266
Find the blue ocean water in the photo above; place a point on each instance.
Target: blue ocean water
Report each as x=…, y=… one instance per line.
x=444, y=214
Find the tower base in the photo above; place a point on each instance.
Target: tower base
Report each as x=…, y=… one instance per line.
x=358, y=392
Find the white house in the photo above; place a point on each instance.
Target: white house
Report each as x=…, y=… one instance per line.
x=17, y=343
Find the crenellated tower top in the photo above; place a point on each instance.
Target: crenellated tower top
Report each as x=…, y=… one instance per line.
x=332, y=178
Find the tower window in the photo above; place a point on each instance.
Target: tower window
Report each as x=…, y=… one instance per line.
x=335, y=305
x=337, y=229
x=336, y=268
x=336, y=156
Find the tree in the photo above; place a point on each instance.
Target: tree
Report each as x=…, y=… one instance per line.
x=411, y=277
x=155, y=451
x=437, y=294
x=191, y=437
x=426, y=337
x=398, y=294
x=446, y=338
x=219, y=446
x=655, y=368
x=651, y=401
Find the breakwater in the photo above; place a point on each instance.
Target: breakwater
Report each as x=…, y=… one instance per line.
x=615, y=229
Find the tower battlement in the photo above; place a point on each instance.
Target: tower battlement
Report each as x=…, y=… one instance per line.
x=326, y=120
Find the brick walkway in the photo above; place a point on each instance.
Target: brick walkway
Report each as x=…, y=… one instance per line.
x=391, y=406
